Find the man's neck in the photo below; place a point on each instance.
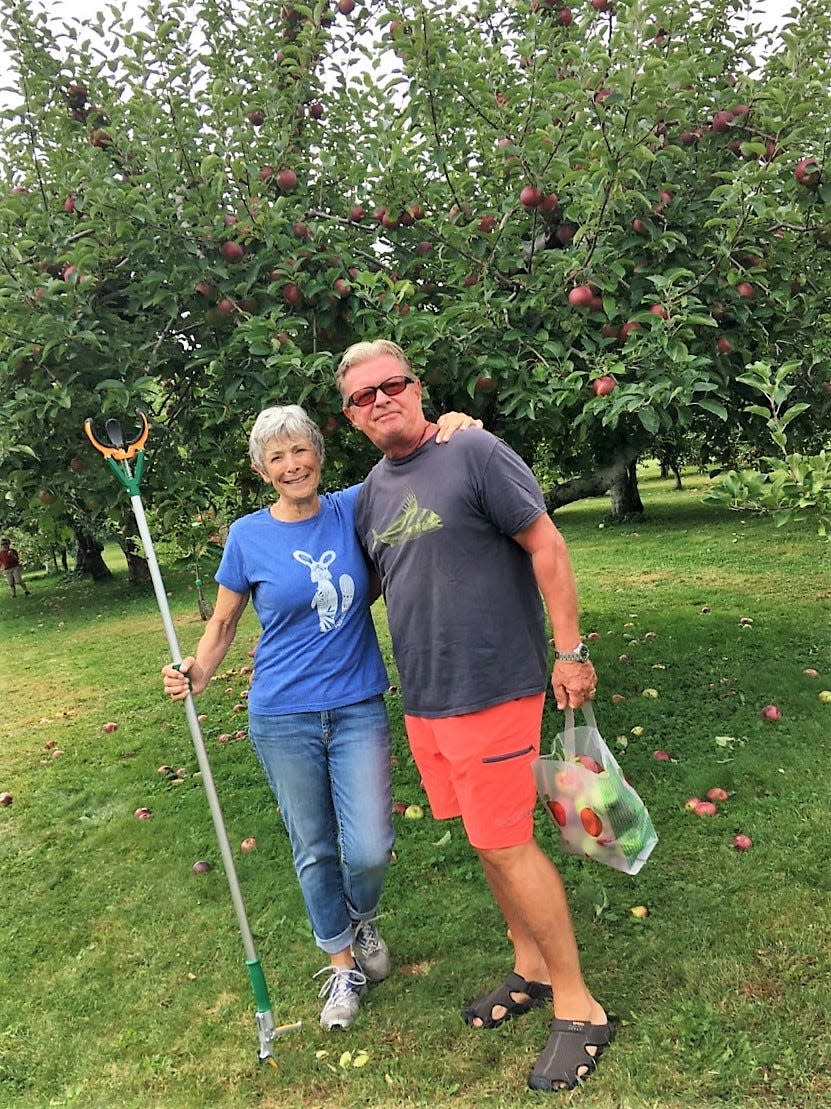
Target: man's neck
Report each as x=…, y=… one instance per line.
x=404, y=450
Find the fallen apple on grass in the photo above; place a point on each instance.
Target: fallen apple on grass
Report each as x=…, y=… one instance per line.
x=717, y=794
x=201, y=866
x=811, y=672
x=248, y=844
x=742, y=842
x=640, y=912
x=661, y=756
x=637, y=731
x=413, y=812
x=109, y=727
x=771, y=712
x=825, y=696
x=692, y=803
x=705, y=808
x=399, y=807
x=6, y=799
x=142, y=813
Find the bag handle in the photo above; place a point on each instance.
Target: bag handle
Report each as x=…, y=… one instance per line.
x=569, y=748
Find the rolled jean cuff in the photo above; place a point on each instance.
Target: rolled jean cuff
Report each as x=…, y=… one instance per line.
x=332, y=947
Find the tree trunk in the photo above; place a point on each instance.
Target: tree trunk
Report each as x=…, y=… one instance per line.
x=88, y=558
x=138, y=572
x=623, y=493
x=619, y=479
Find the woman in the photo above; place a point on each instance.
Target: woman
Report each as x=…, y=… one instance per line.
x=317, y=718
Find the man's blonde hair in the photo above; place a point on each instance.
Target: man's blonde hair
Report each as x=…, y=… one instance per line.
x=363, y=352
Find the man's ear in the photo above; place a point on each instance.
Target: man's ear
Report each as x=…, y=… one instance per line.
x=347, y=411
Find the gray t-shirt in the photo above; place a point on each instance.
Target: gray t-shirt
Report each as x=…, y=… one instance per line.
x=465, y=612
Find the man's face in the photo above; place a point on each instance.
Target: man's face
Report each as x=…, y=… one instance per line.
x=393, y=424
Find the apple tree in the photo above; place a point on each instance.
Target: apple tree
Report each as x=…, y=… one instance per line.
x=582, y=223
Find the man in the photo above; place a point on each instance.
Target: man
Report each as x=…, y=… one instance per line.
x=464, y=547
x=10, y=564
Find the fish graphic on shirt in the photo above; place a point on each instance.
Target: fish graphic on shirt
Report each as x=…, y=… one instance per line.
x=410, y=523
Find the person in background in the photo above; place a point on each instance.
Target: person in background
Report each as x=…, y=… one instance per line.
x=317, y=718
x=10, y=564
x=464, y=548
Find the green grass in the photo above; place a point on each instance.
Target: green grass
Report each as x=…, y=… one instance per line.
x=123, y=981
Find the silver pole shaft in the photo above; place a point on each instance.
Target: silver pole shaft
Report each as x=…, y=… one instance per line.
x=196, y=736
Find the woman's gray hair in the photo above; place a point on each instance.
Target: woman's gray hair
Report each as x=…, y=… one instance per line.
x=286, y=421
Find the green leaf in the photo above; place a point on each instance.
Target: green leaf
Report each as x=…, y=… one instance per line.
x=712, y=406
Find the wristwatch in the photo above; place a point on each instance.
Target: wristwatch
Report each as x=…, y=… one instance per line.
x=579, y=654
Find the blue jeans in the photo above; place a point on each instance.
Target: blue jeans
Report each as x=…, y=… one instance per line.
x=330, y=773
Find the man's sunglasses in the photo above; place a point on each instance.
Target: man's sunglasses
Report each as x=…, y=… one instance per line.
x=390, y=388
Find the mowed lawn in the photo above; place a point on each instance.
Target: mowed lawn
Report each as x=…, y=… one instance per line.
x=123, y=982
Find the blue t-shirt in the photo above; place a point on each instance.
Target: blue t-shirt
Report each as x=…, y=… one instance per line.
x=309, y=585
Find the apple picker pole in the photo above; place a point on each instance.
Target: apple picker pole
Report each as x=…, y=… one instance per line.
x=117, y=456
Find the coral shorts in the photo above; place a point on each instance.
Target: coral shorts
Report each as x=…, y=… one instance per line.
x=478, y=766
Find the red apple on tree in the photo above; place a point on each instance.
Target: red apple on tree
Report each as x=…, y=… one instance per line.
x=530, y=197
x=807, y=172
x=292, y=294
x=581, y=296
x=602, y=386
x=745, y=290
x=722, y=120
x=723, y=345
x=286, y=180
x=232, y=251
x=256, y=118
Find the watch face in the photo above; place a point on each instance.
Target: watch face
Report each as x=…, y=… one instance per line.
x=583, y=652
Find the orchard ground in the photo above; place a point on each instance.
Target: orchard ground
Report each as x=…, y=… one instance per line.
x=123, y=976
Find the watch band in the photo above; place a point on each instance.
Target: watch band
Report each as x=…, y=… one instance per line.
x=579, y=654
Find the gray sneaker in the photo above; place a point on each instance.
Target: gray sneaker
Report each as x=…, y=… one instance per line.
x=342, y=990
x=371, y=953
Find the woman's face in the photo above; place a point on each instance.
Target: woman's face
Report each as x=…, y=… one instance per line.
x=292, y=466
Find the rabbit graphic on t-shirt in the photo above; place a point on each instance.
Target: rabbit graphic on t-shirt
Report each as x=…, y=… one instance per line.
x=326, y=599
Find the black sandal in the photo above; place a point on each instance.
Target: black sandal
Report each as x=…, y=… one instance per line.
x=565, y=1053
x=539, y=993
